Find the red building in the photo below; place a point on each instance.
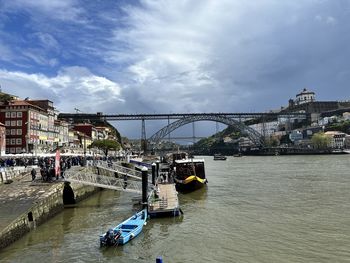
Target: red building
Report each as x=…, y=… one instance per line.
x=21, y=120
x=86, y=128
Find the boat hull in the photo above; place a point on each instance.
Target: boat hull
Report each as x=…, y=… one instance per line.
x=189, y=174
x=190, y=186
x=219, y=157
x=125, y=231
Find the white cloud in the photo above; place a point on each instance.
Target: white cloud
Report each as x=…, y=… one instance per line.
x=47, y=41
x=187, y=56
x=330, y=20
x=71, y=87
x=67, y=10
x=6, y=52
x=190, y=56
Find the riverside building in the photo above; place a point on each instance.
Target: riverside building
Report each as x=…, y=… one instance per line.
x=30, y=126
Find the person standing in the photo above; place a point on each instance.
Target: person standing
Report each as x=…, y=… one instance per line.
x=33, y=173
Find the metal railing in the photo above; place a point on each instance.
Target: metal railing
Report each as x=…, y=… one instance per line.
x=88, y=176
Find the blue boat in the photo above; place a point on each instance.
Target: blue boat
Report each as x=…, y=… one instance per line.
x=125, y=231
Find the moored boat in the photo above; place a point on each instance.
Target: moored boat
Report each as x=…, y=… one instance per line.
x=125, y=231
x=189, y=174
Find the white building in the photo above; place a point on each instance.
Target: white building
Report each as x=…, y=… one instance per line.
x=265, y=128
x=337, y=139
x=346, y=116
x=304, y=97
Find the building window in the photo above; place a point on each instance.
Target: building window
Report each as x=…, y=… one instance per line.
x=19, y=123
x=13, y=131
x=19, y=131
x=19, y=150
x=19, y=141
x=7, y=123
x=12, y=150
x=7, y=141
x=13, y=114
x=13, y=141
x=8, y=132
x=13, y=123
x=8, y=115
x=19, y=114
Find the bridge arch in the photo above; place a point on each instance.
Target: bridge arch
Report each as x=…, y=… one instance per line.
x=252, y=134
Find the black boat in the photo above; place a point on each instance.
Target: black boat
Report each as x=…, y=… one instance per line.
x=189, y=174
x=219, y=157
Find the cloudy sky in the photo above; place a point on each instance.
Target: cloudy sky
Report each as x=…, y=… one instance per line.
x=124, y=56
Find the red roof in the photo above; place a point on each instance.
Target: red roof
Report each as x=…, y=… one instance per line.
x=23, y=103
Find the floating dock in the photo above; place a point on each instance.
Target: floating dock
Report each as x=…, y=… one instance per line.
x=164, y=201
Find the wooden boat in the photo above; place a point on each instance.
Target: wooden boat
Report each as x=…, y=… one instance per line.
x=125, y=231
x=189, y=174
x=219, y=157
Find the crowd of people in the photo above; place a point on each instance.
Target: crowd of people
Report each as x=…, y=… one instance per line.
x=47, y=165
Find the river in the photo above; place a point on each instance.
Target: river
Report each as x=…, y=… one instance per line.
x=255, y=209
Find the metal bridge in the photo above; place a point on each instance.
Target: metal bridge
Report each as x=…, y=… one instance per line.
x=108, y=176
x=172, y=116
x=234, y=119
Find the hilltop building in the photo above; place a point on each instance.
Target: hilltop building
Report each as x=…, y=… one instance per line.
x=305, y=101
x=304, y=97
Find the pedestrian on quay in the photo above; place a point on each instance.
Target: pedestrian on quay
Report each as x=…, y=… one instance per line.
x=33, y=173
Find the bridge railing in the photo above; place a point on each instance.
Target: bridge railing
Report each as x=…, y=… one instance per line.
x=107, y=177
x=88, y=176
x=121, y=170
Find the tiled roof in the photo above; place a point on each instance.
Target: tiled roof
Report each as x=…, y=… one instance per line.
x=23, y=103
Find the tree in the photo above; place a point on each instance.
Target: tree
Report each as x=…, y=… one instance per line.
x=106, y=145
x=5, y=98
x=320, y=140
x=272, y=142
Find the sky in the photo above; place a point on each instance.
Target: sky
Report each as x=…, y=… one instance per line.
x=167, y=56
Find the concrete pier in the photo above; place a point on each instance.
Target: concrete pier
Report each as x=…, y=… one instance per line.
x=25, y=204
x=165, y=202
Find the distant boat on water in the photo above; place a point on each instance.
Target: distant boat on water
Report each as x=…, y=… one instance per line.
x=219, y=157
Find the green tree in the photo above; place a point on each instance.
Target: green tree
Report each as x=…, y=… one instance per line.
x=106, y=145
x=320, y=140
x=5, y=98
x=343, y=126
x=272, y=142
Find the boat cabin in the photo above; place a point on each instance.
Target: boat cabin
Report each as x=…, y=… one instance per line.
x=188, y=167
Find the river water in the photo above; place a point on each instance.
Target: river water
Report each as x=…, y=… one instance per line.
x=255, y=209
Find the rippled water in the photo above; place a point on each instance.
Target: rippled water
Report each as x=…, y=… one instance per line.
x=255, y=209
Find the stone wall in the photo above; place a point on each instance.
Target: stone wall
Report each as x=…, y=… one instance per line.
x=41, y=211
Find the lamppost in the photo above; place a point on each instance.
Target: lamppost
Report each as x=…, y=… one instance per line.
x=84, y=146
x=27, y=135
x=1, y=141
x=27, y=148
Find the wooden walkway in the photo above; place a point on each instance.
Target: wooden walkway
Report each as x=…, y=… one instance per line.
x=166, y=203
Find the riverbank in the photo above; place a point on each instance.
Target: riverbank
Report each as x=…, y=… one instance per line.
x=291, y=151
x=25, y=204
